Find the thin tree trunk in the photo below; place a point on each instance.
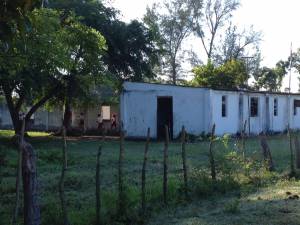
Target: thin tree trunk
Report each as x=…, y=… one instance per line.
x=211, y=154
x=19, y=173
x=297, y=148
x=30, y=186
x=184, y=167
x=98, y=190
x=144, y=172
x=291, y=153
x=121, y=207
x=62, y=179
x=165, y=179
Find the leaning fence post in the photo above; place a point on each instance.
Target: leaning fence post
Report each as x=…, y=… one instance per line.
x=165, y=179
x=144, y=172
x=184, y=167
x=291, y=152
x=19, y=173
x=297, y=148
x=121, y=200
x=211, y=154
x=62, y=179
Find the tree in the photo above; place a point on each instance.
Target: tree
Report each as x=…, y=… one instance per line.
x=131, y=53
x=44, y=62
x=271, y=78
x=84, y=47
x=239, y=44
x=231, y=75
x=172, y=23
x=30, y=76
x=216, y=14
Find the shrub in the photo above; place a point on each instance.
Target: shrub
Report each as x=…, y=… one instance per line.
x=232, y=206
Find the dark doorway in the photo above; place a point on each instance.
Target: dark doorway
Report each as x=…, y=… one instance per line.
x=164, y=116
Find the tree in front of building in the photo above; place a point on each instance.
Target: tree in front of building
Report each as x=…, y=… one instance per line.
x=230, y=75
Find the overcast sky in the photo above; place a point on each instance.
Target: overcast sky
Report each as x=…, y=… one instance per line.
x=278, y=20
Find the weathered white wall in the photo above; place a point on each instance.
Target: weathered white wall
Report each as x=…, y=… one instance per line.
x=199, y=108
x=229, y=124
x=139, y=108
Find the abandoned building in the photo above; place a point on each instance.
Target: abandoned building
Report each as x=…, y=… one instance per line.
x=144, y=105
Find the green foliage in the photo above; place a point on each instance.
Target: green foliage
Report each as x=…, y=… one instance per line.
x=232, y=206
x=131, y=53
x=270, y=79
x=231, y=75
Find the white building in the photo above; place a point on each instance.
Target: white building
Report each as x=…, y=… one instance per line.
x=144, y=105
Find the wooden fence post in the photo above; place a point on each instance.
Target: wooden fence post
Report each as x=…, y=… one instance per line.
x=165, y=178
x=19, y=174
x=121, y=200
x=211, y=154
x=98, y=183
x=30, y=186
x=184, y=167
x=243, y=139
x=297, y=148
x=267, y=153
x=292, y=161
x=144, y=172
x=62, y=179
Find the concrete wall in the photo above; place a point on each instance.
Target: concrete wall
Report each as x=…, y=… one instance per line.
x=199, y=108
x=139, y=108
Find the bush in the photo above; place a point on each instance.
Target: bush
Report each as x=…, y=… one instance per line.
x=232, y=206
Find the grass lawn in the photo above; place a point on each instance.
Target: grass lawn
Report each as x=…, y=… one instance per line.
x=236, y=199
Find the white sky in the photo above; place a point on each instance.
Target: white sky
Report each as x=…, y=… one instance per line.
x=278, y=20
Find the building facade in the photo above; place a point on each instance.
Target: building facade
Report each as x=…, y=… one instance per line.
x=144, y=105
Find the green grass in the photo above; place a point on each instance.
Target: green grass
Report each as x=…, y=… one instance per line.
x=235, y=199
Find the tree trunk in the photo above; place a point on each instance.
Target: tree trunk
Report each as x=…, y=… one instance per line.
x=30, y=186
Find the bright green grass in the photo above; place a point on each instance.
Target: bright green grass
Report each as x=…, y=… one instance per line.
x=10, y=133
x=80, y=182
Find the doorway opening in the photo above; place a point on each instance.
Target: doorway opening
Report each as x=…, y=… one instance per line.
x=164, y=116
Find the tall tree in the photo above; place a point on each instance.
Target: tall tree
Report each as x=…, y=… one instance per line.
x=131, y=53
x=216, y=14
x=238, y=44
x=30, y=76
x=44, y=60
x=271, y=78
x=172, y=22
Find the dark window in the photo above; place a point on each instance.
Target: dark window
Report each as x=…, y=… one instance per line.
x=275, y=107
x=296, y=105
x=224, y=111
x=254, y=107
